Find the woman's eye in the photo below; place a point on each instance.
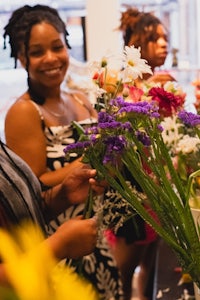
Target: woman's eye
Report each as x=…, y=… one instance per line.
x=35, y=53
x=58, y=47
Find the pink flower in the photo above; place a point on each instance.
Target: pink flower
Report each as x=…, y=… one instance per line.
x=110, y=236
x=135, y=93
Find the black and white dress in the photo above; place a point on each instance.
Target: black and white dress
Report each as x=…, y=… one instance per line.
x=100, y=266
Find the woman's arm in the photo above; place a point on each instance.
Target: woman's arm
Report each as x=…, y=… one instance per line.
x=24, y=135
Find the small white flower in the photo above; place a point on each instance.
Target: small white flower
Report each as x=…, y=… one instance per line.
x=188, y=144
x=170, y=132
x=134, y=65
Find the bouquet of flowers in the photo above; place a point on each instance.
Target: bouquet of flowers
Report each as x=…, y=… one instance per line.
x=121, y=75
x=130, y=132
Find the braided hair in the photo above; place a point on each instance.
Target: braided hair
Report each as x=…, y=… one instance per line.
x=19, y=28
x=138, y=28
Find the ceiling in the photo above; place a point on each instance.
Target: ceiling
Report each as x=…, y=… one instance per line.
x=10, y=5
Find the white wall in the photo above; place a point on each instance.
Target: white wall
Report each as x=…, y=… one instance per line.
x=102, y=19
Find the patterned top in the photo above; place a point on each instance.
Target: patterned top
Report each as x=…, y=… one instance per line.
x=57, y=138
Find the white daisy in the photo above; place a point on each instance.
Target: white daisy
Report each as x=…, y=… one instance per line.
x=134, y=65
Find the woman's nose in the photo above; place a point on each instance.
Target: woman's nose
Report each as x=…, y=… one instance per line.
x=50, y=56
x=162, y=41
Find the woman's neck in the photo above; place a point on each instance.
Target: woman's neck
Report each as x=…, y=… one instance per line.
x=40, y=94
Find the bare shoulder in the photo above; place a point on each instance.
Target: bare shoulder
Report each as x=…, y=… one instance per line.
x=22, y=108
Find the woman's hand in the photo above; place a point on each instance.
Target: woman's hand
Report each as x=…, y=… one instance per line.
x=161, y=77
x=74, y=189
x=74, y=238
x=77, y=184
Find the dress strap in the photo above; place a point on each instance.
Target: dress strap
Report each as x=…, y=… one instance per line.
x=80, y=101
x=39, y=112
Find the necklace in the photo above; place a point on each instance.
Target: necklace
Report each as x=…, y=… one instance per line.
x=56, y=114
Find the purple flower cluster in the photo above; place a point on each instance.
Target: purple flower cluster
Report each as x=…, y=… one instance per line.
x=104, y=117
x=188, y=118
x=108, y=121
x=114, y=148
x=142, y=108
x=77, y=147
x=143, y=138
x=107, y=141
x=119, y=102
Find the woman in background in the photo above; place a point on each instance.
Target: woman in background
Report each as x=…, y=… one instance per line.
x=145, y=30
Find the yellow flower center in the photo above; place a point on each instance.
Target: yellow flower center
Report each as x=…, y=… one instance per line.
x=131, y=63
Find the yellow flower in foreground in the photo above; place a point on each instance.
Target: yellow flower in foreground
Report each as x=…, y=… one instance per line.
x=69, y=285
x=34, y=273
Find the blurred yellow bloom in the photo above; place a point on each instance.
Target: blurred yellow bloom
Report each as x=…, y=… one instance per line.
x=34, y=273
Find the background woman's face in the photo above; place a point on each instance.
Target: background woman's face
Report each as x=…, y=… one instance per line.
x=156, y=51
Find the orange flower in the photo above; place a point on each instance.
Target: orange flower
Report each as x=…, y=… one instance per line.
x=108, y=80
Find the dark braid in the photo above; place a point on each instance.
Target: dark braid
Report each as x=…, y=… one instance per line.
x=18, y=30
x=138, y=27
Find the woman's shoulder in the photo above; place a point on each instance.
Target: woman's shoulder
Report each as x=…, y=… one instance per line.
x=22, y=106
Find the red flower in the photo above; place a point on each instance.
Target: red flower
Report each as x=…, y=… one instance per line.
x=168, y=102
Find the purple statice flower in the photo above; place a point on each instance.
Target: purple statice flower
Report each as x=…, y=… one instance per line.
x=77, y=147
x=160, y=128
x=92, y=130
x=144, y=108
x=188, y=118
x=115, y=146
x=115, y=125
x=143, y=138
x=104, y=117
x=155, y=115
x=126, y=126
x=119, y=102
x=110, y=125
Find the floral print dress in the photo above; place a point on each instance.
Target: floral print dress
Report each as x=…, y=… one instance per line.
x=100, y=266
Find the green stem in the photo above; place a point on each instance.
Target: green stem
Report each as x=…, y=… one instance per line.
x=89, y=205
x=87, y=213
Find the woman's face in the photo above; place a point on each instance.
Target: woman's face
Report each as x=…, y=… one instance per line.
x=48, y=55
x=156, y=50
